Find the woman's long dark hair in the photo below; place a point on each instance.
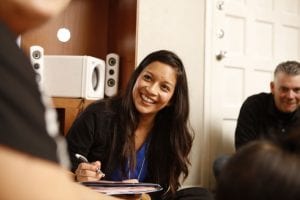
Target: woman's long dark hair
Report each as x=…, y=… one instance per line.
x=172, y=137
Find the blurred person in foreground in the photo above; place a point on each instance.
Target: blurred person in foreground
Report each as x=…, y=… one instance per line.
x=262, y=170
x=30, y=147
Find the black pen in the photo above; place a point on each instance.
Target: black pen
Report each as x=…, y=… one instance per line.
x=84, y=159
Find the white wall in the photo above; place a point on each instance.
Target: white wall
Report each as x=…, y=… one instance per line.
x=178, y=25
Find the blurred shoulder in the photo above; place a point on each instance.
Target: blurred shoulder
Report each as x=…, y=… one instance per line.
x=259, y=98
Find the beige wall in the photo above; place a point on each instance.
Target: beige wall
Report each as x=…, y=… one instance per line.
x=178, y=25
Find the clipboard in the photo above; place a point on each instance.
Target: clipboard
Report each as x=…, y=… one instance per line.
x=120, y=188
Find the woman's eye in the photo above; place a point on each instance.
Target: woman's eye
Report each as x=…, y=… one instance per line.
x=165, y=88
x=147, y=77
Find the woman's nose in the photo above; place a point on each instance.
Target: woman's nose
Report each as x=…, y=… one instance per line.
x=152, y=89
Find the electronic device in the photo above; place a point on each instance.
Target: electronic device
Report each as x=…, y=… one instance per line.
x=74, y=76
x=112, y=74
x=37, y=61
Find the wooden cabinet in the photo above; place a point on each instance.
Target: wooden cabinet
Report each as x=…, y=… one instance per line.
x=67, y=111
x=97, y=27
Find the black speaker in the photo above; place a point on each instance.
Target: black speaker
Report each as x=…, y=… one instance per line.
x=37, y=61
x=112, y=74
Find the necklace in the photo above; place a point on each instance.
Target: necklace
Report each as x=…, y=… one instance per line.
x=140, y=172
x=143, y=153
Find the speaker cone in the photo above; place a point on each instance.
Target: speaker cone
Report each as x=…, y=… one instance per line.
x=36, y=54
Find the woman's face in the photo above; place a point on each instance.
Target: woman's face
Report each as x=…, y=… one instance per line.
x=154, y=88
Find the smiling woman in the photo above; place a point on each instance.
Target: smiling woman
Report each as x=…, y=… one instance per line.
x=144, y=134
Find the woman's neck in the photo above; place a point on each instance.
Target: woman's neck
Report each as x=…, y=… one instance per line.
x=143, y=130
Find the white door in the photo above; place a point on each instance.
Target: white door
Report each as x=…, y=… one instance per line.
x=245, y=40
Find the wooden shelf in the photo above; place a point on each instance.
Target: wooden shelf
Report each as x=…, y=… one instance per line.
x=67, y=110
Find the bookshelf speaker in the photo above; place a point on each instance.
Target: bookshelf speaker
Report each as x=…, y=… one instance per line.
x=74, y=76
x=37, y=61
x=112, y=74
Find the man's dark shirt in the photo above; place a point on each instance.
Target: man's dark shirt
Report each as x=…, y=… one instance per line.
x=259, y=118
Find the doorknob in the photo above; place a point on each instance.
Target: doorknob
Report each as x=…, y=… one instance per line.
x=220, y=5
x=221, y=55
x=220, y=33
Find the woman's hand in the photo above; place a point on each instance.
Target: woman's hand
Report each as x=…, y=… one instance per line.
x=88, y=172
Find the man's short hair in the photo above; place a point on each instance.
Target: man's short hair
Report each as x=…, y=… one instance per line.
x=288, y=67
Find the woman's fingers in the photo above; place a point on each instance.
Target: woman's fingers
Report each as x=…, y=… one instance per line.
x=88, y=171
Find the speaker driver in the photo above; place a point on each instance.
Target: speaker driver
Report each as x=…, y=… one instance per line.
x=36, y=54
x=111, y=82
x=112, y=61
